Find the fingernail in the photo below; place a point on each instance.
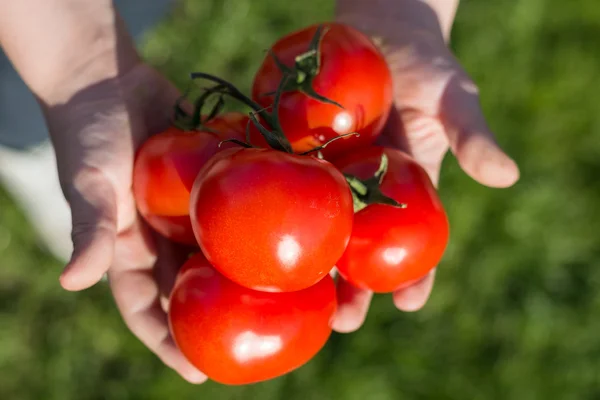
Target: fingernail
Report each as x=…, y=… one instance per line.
x=409, y=303
x=501, y=171
x=414, y=297
x=345, y=321
x=195, y=376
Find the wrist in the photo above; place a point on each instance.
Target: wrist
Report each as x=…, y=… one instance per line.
x=66, y=45
x=109, y=56
x=428, y=18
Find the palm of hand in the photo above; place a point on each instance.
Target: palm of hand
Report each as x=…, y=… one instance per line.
x=436, y=108
x=107, y=122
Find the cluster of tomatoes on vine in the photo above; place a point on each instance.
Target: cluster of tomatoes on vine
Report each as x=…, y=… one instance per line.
x=274, y=200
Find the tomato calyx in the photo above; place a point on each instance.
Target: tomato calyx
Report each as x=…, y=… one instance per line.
x=306, y=68
x=368, y=191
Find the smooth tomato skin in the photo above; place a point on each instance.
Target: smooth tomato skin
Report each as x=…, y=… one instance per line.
x=353, y=73
x=165, y=168
x=237, y=335
x=391, y=247
x=230, y=125
x=270, y=220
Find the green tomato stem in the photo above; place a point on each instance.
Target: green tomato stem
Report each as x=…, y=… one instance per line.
x=368, y=191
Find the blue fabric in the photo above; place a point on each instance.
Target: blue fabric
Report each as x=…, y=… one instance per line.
x=21, y=122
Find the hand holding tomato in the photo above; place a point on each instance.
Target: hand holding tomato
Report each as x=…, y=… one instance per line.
x=436, y=109
x=105, y=124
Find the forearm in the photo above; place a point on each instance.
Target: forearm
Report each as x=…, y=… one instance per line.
x=446, y=11
x=434, y=16
x=61, y=46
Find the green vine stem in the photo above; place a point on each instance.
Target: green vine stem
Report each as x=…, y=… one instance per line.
x=300, y=77
x=236, y=141
x=275, y=137
x=194, y=121
x=231, y=90
x=321, y=147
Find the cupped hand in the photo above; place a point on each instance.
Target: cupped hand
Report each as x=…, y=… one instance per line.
x=95, y=135
x=436, y=109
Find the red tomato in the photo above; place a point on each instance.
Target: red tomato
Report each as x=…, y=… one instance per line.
x=271, y=220
x=237, y=335
x=165, y=168
x=393, y=247
x=353, y=73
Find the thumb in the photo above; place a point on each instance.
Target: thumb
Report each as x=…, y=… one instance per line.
x=470, y=139
x=94, y=212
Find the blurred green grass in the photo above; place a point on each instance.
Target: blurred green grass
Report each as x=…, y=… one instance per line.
x=514, y=314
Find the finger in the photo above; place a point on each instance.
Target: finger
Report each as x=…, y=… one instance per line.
x=94, y=213
x=136, y=291
x=137, y=297
x=353, y=304
x=414, y=297
x=470, y=139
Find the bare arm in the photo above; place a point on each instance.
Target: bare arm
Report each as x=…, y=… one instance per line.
x=446, y=11
x=416, y=13
x=100, y=101
x=61, y=46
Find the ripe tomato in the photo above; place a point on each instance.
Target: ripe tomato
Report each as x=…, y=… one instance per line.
x=271, y=220
x=393, y=247
x=166, y=166
x=237, y=335
x=352, y=73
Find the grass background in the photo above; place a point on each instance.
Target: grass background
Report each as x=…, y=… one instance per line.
x=515, y=311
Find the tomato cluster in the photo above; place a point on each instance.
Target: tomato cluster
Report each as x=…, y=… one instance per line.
x=276, y=199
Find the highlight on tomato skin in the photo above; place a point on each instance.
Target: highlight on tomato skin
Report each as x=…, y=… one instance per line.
x=237, y=335
x=353, y=73
x=392, y=247
x=166, y=166
x=270, y=220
